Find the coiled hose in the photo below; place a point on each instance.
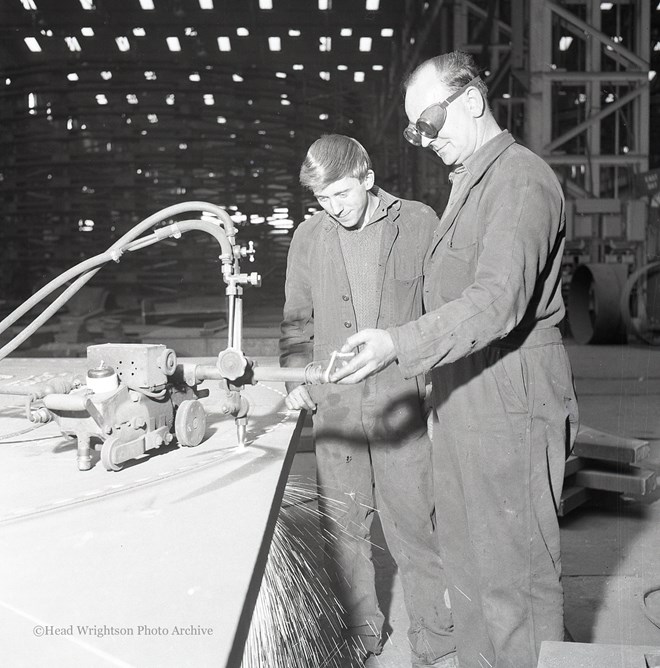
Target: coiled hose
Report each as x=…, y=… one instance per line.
x=85, y=270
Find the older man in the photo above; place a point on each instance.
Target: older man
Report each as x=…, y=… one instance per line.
x=503, y=394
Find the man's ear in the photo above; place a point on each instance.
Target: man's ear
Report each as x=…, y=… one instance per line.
x=475, y=101
x=369, y=179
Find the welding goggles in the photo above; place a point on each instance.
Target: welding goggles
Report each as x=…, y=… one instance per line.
x=432, y=119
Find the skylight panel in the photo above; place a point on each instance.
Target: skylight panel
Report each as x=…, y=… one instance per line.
x=377, y=68
x=190, y=32
x=242, y=32
x=169, y=99
x=106, y=75
x=131, y=98
x=152, y=118
x=358, y=76
x=72, y=76
x=387, y=32
x=122, y=43
x=274, y=43
x=224, y=44
x=365, y=43
x=87, y=32
x=298, y=67
x=139, y=32
x=28, y=4
x=280, y=75
x=32, y=44
x=194, y=76
x=221, y=119
x=87, y=4
x=325, y=76
x=294, y=32
x=565, y=42
x=346, y=32
x=206, y=4
x=265, y=4
x=173, y=44
x=101, y=99
x=324, y=5
x=325, y=43
x=342, y=68
x=72, y=43
x=147, y=5
x=150, y=75
x=209, y=99
x=237, y=78
x=372, y=5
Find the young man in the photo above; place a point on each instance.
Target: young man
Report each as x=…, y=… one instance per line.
x=356, y=264
x=502, y=383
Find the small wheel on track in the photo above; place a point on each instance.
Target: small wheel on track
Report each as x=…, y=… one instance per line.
x=107, y=455
x=190, y=423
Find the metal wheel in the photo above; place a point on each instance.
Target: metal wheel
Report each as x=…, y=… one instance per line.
x=190, y=423
x=107, y=455
x=639, y=303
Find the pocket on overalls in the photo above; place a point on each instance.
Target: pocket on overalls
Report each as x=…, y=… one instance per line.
x=509, y=371
x=456, y=270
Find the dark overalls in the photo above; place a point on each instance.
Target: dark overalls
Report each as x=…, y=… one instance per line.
x=505, y=408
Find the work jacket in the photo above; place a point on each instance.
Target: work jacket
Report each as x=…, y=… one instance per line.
x=319, y=313
x=493, y=272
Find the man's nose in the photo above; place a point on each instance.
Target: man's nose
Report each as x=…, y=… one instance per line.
x=336, y=207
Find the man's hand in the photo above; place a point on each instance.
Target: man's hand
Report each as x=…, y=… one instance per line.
x=377, y=353
x=299, y=399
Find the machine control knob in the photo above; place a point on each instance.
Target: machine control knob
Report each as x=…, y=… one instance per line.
x=231, y=363
x=167, y=361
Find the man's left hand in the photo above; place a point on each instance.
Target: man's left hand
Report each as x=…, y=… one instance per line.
x=377, y=353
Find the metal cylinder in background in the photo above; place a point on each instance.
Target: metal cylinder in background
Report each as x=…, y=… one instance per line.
x=594, y=314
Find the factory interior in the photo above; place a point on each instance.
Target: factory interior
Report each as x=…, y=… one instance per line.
x=150, y=153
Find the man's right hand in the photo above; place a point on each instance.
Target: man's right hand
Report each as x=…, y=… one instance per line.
x=299, y=399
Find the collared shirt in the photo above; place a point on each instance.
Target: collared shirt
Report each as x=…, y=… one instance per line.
x=461, y=175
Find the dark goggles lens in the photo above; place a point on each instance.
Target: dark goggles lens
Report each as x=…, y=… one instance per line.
x=431, y=121
x=412, y=135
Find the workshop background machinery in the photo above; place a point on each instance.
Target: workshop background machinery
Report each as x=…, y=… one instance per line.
x=576, y=82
